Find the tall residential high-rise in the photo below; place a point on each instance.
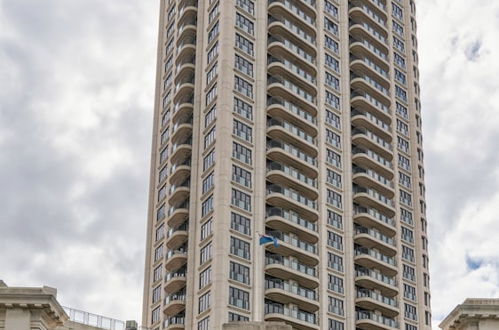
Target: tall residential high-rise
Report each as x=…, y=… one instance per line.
x=297, y=119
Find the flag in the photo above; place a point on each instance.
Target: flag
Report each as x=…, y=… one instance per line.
x=264, y=239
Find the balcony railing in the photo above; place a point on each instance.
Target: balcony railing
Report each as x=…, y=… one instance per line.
x=297, y=11
x=292, y=87
x=307, y=317
x=286, y=238
x=374, y=175
x=292, y=194
x=374, y=213
x=359, y=250
x=291, y=216
x=373, y=137
x=293, y=68
x=277, y=283
x=292, y=27
x=292, y=172
x=360, y=272
x=292, y=108
x=365, y=315
x=374, y=194
x=292, y=129
x=300, y=53
x=271, y=259
x=292, y=150
x=366, y=293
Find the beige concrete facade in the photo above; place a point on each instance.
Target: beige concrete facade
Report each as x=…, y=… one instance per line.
x=301, y=120
x=473, y=314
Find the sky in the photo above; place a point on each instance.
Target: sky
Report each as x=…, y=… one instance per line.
x=76, y=100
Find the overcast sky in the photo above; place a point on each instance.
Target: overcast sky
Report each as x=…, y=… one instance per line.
x=76, y=99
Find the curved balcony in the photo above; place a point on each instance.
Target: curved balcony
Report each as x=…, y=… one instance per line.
x=279, y=107
x=184, y=87
x=186, y=47
x=174, y=304
x=292, y=246
x=289, y=269
x=279, y=86
x=282, y=152
x=370, y=122
x=181, y=131
x=371, y=179
x=291, y=199
x=289, y=221
x=367, y=320
x=283, y=26
x=176, y=322
x=298, y=319
x=363, y=48
x=183, y=108
x=376, y=6
x=362, y=12
x=284, y=292
x=282, y=130
x=370, y=300
x=364, y=66
x=366, y=158
x=370, y=86
x=368, y=139
x=180, y=172
x=370, y=238
x=281, y=66
x=299, y=11
x=371, y=258
x=366, y=103
x=187, y=8
x=370, y=279
x=187, y=27
x=175, y=259
x=185, y=69
x=176, y=237
x=181, y=151
x=369, y=217
x=372, y=198
x=175, y=281
x=279, y=46
x=179, y=193
x=283, y=174
x=361, y=29
x=178, y=214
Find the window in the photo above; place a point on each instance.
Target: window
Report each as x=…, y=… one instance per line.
x=163, y=174
x=335, y=283
x=334, y=240
x=205, y=253
x=213, y=13
x=161, y=213
x=163, y=156
x=403, y=144
x=246, y=5
x=239, y=273
x=243, y=65
x=400, y=77
x=244, y=44
x=209, y=138
x=334, y=178
x=401, y=93
x=241, y=176
x=404, y=163
x=334, y=219
x=335, y=262
x=156, y=294
x=332, y=100
x=205, y=277
x=333, y=158
x=333, y=119
x=165, y=118
x=204, y=324
x=169, y=64
x=331, y=9
x=160, y=232
x=213, y=52
x=409, y=292
x=233, y=317
x=335, y=325
x=410, y=327
x=204, y=302
x=336, y=306
x=213, y=32
x=334, y=199
x=165, y=135
x=155, y=315
x=210, y=116
x=207, y=206
x=409, y=273
x=330, y=26
x=212, y=93
x=398, y=29
x=208, y=182
x=407, y=235
x=399, y=60
x=243, y=87
x=162, y=192
x=332, y=81
x=405, y=198
x=399, y=44
x=333, y=139
x=212, y=73
x=407, y=253
x=243, y=131
x=245, y=24
x=240, y=223
x=402, y=127
x=206, y=229
x=240, y=248
x=243, y=108
x=241, y=200
x=402, y=111
x=410, y=312
x=209, y=160
x=397, y=12
x=405, y=180
x=239, y=298
x=241, y=153
x=332, y=63
x=331, y=44
x=157, y=273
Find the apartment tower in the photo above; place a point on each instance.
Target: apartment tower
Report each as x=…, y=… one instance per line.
x=300, y=120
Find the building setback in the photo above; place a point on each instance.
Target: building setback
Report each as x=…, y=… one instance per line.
x=300, y=120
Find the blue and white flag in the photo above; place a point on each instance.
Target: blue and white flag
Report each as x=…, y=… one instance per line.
x=264, y=239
